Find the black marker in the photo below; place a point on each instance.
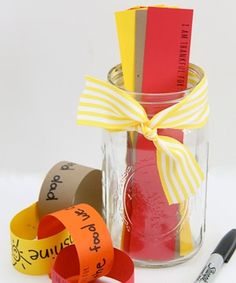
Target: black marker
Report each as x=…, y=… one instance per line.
x=221, y=254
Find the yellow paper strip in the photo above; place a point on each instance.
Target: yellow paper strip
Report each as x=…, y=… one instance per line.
x=125, y=22
x=186, y=240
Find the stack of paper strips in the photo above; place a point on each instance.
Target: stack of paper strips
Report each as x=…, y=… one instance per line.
x=154, y=47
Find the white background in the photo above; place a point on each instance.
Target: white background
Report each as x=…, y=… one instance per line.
x=46, y=48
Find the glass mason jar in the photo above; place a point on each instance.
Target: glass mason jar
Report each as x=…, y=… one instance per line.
x=138, y=216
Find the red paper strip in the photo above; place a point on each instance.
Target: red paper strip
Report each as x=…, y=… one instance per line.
x=65, y=269
x=166, y=57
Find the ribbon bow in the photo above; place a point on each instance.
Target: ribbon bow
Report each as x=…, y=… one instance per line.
x=107, y=106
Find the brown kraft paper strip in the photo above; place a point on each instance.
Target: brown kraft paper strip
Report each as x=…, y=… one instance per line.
x=140, y=35
x=68, y=183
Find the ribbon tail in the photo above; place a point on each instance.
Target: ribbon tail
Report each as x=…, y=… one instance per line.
x=180, y=174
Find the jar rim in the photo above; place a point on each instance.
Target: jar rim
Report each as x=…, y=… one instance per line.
x=115, y=77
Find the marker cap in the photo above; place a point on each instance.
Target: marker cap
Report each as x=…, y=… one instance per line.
x=227, y=245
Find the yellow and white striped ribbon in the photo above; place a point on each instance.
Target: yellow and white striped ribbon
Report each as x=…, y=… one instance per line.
x=105, y=105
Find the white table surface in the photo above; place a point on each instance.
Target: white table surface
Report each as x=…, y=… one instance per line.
x=19, y=191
